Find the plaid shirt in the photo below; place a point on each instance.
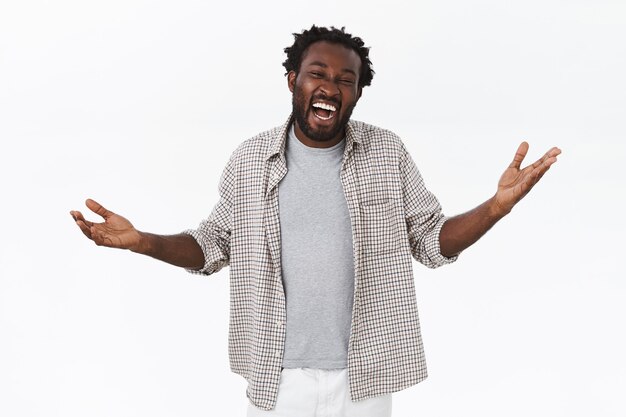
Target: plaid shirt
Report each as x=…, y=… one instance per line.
x=393, y=217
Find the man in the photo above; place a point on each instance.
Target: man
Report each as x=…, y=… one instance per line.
x=318, y=220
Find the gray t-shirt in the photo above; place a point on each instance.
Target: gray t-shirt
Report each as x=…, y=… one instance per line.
x=317, y=257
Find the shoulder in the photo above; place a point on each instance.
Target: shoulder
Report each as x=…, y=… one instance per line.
x=257, y=146
x=374, y=138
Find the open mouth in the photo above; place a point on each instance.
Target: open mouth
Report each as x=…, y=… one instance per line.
x=324, y=111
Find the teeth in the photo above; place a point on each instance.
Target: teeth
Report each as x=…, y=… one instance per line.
x=324, y=118
x=325, y=106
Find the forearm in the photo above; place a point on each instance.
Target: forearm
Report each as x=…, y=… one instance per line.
x=180, y=250
x=460, y=232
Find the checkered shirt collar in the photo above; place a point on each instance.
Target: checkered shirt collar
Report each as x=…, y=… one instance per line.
x=353, y=135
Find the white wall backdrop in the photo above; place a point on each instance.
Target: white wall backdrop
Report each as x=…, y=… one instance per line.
x=138, y=104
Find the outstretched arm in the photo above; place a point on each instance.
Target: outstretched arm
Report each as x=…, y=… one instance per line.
x=460, y=232
x=117, y=232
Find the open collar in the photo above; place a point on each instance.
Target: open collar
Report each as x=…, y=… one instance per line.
x=277, y=147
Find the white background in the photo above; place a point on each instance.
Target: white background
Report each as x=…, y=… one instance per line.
x=138, y=104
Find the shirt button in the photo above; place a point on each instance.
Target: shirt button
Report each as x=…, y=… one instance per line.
x=279, y=323
x=277, y=353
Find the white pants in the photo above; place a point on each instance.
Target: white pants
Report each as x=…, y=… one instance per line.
x=307, y=392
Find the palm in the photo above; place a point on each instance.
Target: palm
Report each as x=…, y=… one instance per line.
x=116, y=231
x=512, y=182
x=515, y=183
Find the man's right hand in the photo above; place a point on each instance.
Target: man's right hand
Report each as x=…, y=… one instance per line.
x=114, y=232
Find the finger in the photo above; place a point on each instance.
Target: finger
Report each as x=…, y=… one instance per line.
x=536, y=173
x=98, y=209
x=519, y=155
x=548, y=162
x=554, y=152
x=96, y=236
x=84, y=228
x=77, y=215
x=549, y=157
x=541, y=174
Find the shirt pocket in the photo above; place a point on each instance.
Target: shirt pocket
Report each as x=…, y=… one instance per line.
x=380, y=228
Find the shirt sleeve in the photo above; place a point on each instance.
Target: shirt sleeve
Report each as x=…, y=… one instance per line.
x=213, y=233
x=423, y=215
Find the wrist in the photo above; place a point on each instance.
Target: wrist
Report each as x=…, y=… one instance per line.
x=496, y=208
x=142, y=244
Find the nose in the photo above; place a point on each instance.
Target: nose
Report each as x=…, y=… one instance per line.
x=330, y=88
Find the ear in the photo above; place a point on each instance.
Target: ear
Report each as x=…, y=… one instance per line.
x=291, y=80
x=358, y=94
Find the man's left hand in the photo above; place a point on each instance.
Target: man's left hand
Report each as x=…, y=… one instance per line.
x=515, y=183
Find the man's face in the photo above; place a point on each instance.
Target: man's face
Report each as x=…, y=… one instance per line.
x=325, y=91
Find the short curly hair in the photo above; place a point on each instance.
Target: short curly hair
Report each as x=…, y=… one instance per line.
x=317, y=33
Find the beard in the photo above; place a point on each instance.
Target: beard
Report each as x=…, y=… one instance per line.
x=301, y=112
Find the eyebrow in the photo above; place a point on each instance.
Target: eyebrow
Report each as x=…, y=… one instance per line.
x=323, y=65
